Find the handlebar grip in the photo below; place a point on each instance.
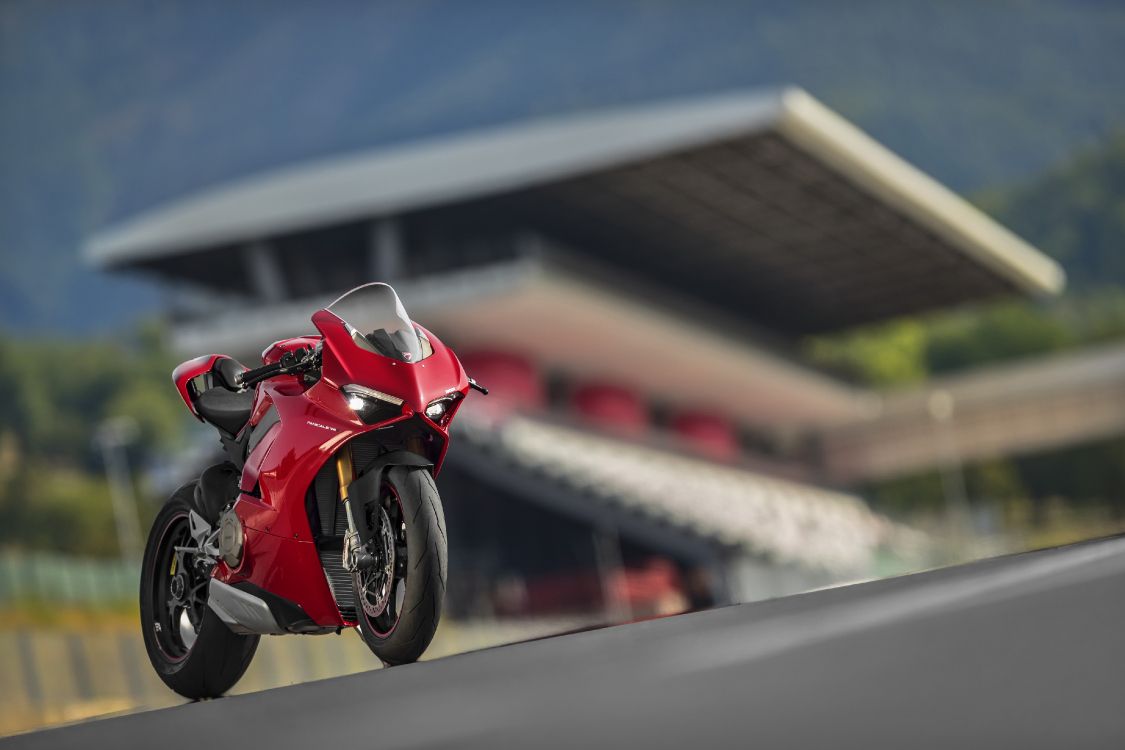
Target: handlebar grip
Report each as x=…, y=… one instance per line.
x=253, y=376
x=289, y=362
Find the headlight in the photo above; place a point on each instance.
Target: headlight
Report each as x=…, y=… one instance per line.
x=372, y=406
x=439, y=410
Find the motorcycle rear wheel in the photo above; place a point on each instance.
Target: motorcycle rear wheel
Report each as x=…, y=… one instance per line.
x=398, y=625
x=195, y=655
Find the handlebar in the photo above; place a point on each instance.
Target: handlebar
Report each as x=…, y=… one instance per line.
x=300, y=360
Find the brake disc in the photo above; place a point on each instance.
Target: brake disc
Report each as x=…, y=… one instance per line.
x=376, y=582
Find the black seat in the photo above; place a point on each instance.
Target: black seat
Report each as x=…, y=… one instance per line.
x=223, y=405
x=227, y=410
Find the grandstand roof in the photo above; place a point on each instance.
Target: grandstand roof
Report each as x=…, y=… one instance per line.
x=767, y=201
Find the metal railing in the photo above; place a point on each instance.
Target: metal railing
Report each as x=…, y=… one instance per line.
x=65, y=580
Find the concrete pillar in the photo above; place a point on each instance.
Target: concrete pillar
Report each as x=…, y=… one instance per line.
x=385, y=250
x=607, y=554
x=262, y=266
x=530, y=245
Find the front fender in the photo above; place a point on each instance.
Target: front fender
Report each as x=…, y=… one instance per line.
x=366, y=486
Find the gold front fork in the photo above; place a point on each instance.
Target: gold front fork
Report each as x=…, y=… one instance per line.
x=345, y=474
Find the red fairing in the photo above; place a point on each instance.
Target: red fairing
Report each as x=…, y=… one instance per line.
x=183, y=374
x=280, y=554
x=417, y=383
x=314, y=422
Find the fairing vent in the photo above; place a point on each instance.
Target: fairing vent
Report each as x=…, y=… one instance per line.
x=339, y=581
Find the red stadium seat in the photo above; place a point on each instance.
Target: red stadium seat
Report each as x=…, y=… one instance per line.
x=611, y=407
x=709, y=434
x=514, y=382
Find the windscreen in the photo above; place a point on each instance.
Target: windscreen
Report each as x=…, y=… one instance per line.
x=378, y=322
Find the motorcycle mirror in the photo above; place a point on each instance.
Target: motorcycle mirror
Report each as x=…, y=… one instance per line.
x=477, y=387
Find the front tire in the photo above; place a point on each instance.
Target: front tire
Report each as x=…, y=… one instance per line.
x=190, y=648
x=398, y=624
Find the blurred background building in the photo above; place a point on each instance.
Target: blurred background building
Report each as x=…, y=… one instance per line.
x=737, y=346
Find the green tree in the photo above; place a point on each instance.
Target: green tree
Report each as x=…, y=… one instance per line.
x=53, y=492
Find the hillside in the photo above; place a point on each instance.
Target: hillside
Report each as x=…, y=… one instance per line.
x=108, y=108
x=1075, y=213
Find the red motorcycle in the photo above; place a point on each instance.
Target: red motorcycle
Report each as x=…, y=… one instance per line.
x=324, y=515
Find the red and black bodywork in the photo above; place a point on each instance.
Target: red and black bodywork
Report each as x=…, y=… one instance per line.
x=281, y=438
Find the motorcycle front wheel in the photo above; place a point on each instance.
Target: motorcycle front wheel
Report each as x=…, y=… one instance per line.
x=190, y=648
x=399, y=600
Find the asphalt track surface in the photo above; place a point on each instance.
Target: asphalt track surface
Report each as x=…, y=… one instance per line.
x=1022, y=651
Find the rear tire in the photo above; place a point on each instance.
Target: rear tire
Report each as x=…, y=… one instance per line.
x=211, y=663
x=401, y=633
